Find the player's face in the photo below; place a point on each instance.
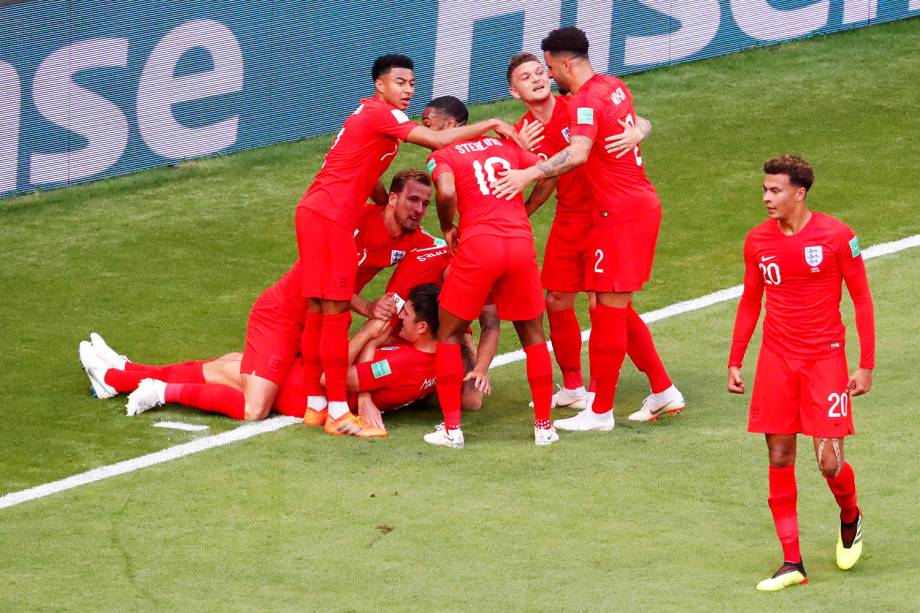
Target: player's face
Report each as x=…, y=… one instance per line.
x=558, y=67
x=396, y=87
x=437, y=120
x=781, y=197
x=530, y=82
x=410, y=205
x=409, y=329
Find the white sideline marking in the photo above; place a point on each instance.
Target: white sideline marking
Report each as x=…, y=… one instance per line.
x=180, y=425
x=276, y=423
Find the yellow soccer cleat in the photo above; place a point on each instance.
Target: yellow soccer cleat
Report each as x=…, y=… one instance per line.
x=847, y=557
x=787, y=575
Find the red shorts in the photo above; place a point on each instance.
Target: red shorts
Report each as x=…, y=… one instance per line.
x=623, y=252
x=794, y=396
x=329, y=256
x=272, y=341
x=292, y=399
x=506, y=267
x=568, y=257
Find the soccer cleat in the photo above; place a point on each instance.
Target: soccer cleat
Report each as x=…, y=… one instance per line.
x=95, y=369
x=350, y=424
x=108, y=355
x=787, y=575
x=150, y=393
x=668, y=402
x=587, y=421
x=568, y=399
x=445, y=438
x=848, y=556
x=545, y=436
x=312, y=417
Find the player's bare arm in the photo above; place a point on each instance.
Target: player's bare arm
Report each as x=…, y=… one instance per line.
x=382, y=308
x=379, y=195
x=436, y=139
x=446, y=200
x=629, y=138
x=489, y=327
x=540, y=194
x=513, y=182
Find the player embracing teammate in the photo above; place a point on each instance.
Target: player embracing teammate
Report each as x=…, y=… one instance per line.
x=626, y=216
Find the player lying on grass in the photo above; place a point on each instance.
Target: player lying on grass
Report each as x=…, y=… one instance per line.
x=386, y=375
x=494, y=255
x=799, y=259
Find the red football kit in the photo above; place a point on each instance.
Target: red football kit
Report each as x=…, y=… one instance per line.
x=569, y=246
x=359, y=155
x=627, y=212
x=378, y=250
x=496, y=250
x=801, y=380
x=398, y=375
x=418, y=267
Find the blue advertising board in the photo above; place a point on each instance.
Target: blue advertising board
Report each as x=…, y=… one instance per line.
x=90, y=89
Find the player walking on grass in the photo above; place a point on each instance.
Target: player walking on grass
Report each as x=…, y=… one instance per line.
x=568, y=257
x=493, y=254
x=626, y=218
x=799, y=257
x=328, y=213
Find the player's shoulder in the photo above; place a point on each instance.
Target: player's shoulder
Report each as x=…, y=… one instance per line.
x=830, y=223
x=376, y=110
x=837, y=233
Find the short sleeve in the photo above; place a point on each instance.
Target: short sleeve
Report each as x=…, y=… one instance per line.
x=373, y=374
x=585, y=117
x=393, y=122
x=437, y=163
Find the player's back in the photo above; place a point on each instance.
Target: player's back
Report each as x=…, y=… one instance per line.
x=418, y=267
x=619, y=185
x=476, y=164
x=360, y=153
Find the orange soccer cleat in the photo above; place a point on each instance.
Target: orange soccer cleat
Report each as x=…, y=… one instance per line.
x=312, y=417
x=352, y=425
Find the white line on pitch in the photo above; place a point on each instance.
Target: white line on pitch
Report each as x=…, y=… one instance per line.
x=180, y=425
x=276, y=423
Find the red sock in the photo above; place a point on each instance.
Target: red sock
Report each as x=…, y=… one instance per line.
x=782, y=500
x=125, y=381
x=641, y=350
x=333, y=353
x=607, y=350
x=565, y=333
x=540, y=379
x=210, y=397
x=309, y=349
x=448, y=367
x=843, y=486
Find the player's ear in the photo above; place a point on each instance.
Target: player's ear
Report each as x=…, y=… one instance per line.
x=514, y=93
x=392, y=197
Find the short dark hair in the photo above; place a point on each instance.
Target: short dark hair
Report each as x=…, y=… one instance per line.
x=398, y=184
x=424, y=299
x=385, y=63
x=517, y=59
x=800, y=172
x=452, y=106
x=566, y=40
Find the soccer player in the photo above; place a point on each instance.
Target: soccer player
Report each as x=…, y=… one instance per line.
x=568, y=255
x=799, y=258
x=383, y=378
x=493, y=254
x=626, y=214
x=327, y=216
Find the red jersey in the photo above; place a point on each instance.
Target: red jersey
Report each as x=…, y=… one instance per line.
x=802, y=276
x=619, y=187
x=475, y=165
x=360, y=153
x=378, y=250
x=573, y=196
x=397, y=376
x=418, y=267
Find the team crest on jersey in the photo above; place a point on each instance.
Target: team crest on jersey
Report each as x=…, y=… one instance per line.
x=814, y=255
x=565, y=134
x=396, y=256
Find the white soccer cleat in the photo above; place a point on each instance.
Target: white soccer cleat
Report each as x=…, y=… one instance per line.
x=108, y=355
x=545, y=436
x=95, y=369
x=668, y=402
x=587, y=421
x=566, y=398
x=150, y=393
x=441, y=436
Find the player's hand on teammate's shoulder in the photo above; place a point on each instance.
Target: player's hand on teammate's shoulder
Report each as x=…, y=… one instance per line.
x=735, y=382
x=860, y=381
x=506, y=130
x=625, y=141
x=531, y=134
x=480, y=381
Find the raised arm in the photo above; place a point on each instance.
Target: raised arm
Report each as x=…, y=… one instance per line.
x=513, y=182
x=435, y=139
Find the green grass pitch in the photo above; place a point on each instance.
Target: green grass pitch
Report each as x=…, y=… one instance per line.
x=665, y=516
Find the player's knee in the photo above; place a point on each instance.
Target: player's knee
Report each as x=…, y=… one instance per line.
x=830, y=457
x=256, y=411
x=471, y=400
x=234, y=356
x=780, y=457
x=556, y=301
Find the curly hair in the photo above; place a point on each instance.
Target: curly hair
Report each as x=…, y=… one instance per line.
x=800, y=172
x=566, y=40
x=386, y=63
x=452, y=107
